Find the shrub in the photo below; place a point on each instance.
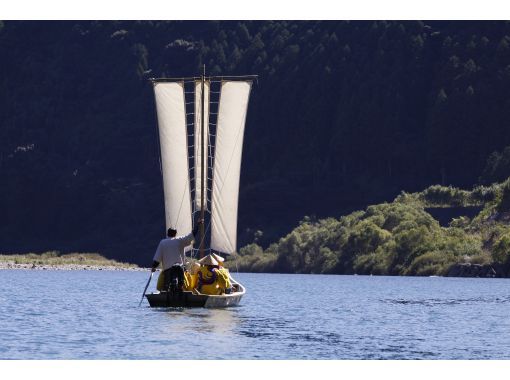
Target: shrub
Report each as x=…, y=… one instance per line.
x=460, y=222
x=430, y=264
x=484, y=194
x=504, y=200
x=501, y=249
x=378, y=262
x=483, y=258
x=407, y=198
x=438, y=195
x=459, y=243
x=250, y=250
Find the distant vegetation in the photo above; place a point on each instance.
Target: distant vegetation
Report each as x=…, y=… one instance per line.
x=397, y=238
x=55, y=259
x=344, y=114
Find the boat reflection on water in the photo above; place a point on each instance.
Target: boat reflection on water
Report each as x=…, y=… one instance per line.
x=218, y=321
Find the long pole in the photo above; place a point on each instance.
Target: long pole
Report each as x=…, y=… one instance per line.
x=202, y=167
x=145, y=290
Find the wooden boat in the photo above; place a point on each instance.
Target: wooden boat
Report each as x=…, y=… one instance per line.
x=195, y=299
x=201, y=124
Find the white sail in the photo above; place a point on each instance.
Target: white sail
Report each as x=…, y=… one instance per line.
x=198, y=140
x=171, y=110
x=227, y=164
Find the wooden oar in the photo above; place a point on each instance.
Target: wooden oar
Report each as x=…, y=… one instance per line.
x=146, y=286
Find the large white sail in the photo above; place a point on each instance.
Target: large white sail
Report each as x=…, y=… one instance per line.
x=171, y=110
x=198, y=140
x=227, y=164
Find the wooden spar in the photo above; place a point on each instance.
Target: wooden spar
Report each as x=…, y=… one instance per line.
x=202, y=139
x=211, y=78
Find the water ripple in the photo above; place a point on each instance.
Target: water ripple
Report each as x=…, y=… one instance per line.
x=455, y=301
x=95, y=315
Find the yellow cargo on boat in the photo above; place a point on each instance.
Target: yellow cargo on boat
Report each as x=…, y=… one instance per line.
x=213, y=283
x=190, y=281
x=206, y=283
x=223, y=278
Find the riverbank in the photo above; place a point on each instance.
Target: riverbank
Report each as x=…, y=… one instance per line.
x=70, y=261
x=401, y=238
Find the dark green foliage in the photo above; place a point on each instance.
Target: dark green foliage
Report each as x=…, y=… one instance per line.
x=504, y=200
x=398, y=238
x=497, y=167
x=345, y=114
x=252, y=256
x=483, y=194
x=501, y=250
x=437, y=195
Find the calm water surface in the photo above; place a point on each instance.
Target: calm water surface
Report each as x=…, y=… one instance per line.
x=95, y=315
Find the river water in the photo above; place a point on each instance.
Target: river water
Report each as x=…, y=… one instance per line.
x=95, y=315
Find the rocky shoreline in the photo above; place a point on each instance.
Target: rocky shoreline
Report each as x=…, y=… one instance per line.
x=457, y=270
x=33, y=266
x=478, y=270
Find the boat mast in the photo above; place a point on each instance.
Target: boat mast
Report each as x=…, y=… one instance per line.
x=202, y=165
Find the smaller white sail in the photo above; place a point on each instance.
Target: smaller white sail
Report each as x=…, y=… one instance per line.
x=232, y=111
x=198, y=141
x=171, y=111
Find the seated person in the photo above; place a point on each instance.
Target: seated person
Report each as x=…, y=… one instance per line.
x=207, y=275
x=213, y=278
x=223, y=275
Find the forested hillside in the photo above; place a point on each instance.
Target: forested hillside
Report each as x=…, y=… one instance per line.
x=345, y=114
x=400, y=238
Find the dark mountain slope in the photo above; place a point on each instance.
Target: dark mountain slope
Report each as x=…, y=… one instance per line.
x=344, y=114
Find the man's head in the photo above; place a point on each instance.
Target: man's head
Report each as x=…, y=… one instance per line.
x=171, y=233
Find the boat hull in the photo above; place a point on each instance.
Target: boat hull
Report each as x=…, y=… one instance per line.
x=191, y=299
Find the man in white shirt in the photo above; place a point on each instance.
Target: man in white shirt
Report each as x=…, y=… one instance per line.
x=170, y=251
